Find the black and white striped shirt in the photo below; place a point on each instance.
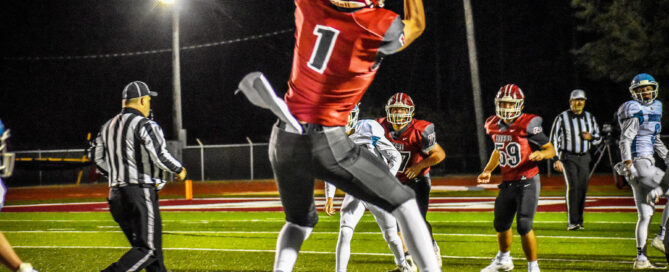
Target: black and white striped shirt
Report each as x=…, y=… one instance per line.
x=568, y=128
x=131, y=149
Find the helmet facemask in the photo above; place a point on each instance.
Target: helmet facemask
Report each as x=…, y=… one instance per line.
x=6, y=159
x=640, y=95
x=356, y=4
x=352, y=119
x=399, y=118
x=508, y=113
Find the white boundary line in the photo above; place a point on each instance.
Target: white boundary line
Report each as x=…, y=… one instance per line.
x=315, y=252
x=196, y=221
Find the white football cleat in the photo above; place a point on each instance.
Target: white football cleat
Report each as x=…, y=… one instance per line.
x=499, y=264
x=411, y=263
x=646, y=264
x=26, y=267
x=658, y=244
x=404, y=267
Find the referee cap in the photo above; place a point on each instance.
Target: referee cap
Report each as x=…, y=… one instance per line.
x=137, y=89
x=577, y=94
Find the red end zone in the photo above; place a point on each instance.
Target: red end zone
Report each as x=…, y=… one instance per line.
x=258, y=204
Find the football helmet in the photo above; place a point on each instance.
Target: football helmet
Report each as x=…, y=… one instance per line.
x=399, y=100
x=6, y=158
x=509, y=93
x=354, y=4
x=352, y=118
x=641, y=80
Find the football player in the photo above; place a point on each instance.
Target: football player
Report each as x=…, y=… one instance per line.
x=7, y=254
x=339, y=45
x=516, y=136
x=369, y=134
x=640, y=123
x=416, y=140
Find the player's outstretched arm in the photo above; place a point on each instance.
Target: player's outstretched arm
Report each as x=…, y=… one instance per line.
x=484, y=177
x=547, y=151
x=414, y=21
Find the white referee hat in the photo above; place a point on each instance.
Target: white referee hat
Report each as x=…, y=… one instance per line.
x=577, y=94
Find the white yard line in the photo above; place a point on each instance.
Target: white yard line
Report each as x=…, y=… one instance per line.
x=317, y=232
x=314, y=252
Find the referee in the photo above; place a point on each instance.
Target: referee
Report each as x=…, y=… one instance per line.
x=131, y=151
x=574, y=132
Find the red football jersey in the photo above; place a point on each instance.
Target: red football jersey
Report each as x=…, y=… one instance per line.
x=415, y=142
x=335, y=58
x=511, y=141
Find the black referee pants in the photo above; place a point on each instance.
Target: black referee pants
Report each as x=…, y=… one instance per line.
x=576, y=170
x=136, y=211
x=422, y=186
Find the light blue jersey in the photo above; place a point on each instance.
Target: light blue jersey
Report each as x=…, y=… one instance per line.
x=643, y=142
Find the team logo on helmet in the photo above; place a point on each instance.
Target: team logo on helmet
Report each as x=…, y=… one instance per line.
x=394, y=113
x=641, y=94
x=509, y=101
x=352, y=118
x=354, y=4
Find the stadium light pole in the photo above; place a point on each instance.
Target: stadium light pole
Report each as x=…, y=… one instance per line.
x=178, y=130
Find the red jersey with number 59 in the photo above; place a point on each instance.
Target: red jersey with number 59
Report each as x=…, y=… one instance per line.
x=414, y=143
x=511, y=141
x=335, y=59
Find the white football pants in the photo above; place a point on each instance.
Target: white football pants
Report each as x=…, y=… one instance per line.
x=649, y=175
x=352, y=210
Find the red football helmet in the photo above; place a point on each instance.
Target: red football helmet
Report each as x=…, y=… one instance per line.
x=513, y=98
x=399, y=100
x=353, y=4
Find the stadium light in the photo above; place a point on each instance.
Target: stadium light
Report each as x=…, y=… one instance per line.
x=179, y=132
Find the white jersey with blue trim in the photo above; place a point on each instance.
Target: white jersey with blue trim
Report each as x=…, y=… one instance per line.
x=640, y=128
x=370, y=134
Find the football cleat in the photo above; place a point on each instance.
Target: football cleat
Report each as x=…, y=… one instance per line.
x=499, y=264
x=658, y=244
x=404, y=267
x=646, y=264
x=574, y=227
x=411, y=263
x=26, y=267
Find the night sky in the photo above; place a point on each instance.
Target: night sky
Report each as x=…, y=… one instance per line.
x=53, y=103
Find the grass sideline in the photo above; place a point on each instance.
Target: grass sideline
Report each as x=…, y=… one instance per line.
x=245, y=241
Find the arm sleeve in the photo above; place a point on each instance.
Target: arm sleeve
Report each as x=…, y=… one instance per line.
x=99, y=155
x=330, y=190
x=596, y=136
x=391, y=154
x=556, y=132
x=393, y=40
x=155, y=144
x=429, y=139
x=660, y=148
x=628, y=130
x=535, y=132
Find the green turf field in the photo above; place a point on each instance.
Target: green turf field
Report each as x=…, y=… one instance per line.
x=236, y=241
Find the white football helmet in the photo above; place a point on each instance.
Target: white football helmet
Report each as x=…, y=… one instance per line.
x=509, y=93
x=352, y=118
x=399, y=100
x=6, y=158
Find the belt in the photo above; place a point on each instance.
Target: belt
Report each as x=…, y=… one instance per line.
x=573, y=153
x=143, y=185
x=307, y=128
